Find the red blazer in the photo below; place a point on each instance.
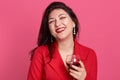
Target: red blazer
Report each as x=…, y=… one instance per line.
x=42, y=68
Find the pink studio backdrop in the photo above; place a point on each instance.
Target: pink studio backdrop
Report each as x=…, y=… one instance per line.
x=19, y=26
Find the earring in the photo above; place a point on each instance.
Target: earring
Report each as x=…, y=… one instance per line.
x=74, y=32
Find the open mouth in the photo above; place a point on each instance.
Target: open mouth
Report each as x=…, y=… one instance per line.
x=59, y=30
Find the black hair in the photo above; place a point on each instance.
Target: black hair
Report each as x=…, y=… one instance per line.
x=44, y=37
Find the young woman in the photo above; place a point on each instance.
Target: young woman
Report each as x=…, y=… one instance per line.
x=57, y=40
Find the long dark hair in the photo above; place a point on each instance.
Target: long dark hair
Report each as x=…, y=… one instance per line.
x=44, y=37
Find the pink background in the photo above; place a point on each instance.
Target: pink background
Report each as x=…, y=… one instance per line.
x=19, y=26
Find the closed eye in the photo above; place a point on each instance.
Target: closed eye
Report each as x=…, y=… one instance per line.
x=51, y=21
x=62, y=17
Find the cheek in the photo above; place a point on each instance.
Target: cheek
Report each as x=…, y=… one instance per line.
x=65, y=21
x=52, y=29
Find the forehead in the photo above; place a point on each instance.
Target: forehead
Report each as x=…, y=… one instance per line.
x=57, y=12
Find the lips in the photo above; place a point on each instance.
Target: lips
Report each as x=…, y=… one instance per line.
x=59, y=30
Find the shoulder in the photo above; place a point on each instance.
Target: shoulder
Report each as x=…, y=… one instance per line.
x=85, y=51
x=43, y=48
x=40, y=51
x=85, y=48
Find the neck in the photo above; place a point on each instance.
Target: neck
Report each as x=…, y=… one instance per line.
x=66, y=45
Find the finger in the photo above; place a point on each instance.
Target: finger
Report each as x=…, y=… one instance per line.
x=75, y=67
x=81, y=63
x=75, y=74
x=78, y=75
x=74, y=71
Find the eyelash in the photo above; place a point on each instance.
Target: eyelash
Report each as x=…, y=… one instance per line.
x=50, y=22
x=62, y=17
x=53, y=20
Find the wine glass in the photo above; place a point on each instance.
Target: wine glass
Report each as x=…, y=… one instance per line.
x=72, y=60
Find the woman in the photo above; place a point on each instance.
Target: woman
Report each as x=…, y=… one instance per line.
x=57, y=39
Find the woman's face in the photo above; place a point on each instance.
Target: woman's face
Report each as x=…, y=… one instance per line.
x=60, y=25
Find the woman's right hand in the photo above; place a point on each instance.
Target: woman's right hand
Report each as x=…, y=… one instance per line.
x=79, y=73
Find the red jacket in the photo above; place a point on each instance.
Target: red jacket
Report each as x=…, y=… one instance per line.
x=42, y=68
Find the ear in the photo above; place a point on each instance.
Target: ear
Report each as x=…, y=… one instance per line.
x=73, y=24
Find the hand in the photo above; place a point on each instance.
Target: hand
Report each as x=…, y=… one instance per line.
x=79, y=73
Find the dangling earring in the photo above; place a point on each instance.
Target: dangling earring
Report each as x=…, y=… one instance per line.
x=74, y=32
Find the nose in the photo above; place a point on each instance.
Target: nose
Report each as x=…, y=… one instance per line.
x=57, y=23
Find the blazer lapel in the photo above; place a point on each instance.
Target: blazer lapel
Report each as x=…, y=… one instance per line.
x=58, y=66
x=78, y=50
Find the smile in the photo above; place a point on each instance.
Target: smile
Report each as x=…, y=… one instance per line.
x=59, y=30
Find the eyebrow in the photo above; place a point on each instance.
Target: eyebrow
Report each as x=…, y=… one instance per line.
x=58, y=16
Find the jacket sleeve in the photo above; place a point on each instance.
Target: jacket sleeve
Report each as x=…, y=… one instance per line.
x=36, y=66
x=91, y=66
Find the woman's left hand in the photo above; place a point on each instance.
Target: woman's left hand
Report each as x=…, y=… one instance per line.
x=79, y=73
